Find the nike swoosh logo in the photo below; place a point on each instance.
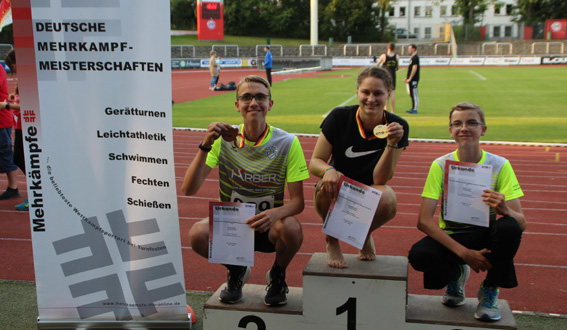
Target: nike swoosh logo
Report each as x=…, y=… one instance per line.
x=353, y=154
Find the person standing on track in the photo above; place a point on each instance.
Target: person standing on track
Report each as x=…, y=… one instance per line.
x=6, y=152
x=347, y=146
x=451, y=249
x=268, y=64
x=255, y=161
x=391, y=61
x=214, y=69
x=413, y=78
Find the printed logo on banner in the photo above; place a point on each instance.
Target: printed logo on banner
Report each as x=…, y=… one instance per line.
x=554, y=60
x=123, y=234
x=211, y=24
x=29, y=116
x=533, y=60
x=101, y=257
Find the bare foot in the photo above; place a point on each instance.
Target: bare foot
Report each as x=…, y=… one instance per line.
x=368, y=251
x=335, y=256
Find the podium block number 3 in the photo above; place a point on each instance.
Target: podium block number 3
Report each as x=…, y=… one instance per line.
x=350, y=307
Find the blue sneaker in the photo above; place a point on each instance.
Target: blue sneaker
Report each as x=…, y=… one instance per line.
x=412, y=111
x=487, y=309
x=455, y=292
x=25, y=206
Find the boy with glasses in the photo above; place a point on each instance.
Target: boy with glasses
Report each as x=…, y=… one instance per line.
x=451, y=248
x=255, y=161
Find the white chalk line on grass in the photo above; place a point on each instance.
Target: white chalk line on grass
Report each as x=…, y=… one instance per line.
x=340, y=105
x=478, y=75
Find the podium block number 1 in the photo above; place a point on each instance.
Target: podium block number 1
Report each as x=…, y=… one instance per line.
x=350, y=307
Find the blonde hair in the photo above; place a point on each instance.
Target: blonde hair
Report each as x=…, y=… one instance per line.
x=254, y=79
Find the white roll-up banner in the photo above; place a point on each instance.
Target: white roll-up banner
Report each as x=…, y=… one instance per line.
x=95, y=89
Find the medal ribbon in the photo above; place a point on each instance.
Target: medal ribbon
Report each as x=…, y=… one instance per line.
x=361, y=127
x=240, y=144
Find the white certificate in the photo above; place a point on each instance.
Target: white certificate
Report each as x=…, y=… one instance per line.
x=351, y=214
x=231, y=240
x=464, y=185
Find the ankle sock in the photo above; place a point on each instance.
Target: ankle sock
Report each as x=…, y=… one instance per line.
x=277, y=271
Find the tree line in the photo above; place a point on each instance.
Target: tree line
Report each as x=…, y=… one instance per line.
x=363, y=20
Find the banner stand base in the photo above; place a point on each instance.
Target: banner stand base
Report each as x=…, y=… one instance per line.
x=126, y=325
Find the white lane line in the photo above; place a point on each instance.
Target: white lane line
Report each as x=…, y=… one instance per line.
x=478, y=75
x=340, y=105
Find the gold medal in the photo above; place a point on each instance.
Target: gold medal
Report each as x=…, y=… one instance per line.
x=381, y=131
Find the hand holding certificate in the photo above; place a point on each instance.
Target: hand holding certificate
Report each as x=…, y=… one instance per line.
x=464, y=185
x=231, y=240
x=351, y=214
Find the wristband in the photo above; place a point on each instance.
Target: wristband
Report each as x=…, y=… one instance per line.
x=205, y=149
x=7, y=106
x=328, y=168
x=394, y=147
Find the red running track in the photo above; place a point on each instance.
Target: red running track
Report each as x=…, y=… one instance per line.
x=541, y=261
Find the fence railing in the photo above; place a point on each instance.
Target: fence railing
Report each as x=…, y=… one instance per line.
x=497, y=45
x=271, y=46
x=181, y=47
x=226, y=47
x=547, y=46
x=313, y=49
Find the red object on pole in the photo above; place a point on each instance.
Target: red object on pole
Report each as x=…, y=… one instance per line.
x=5, y=13
x=528, y=32
x=210, y=20
x=557, y=28
x=482, y=32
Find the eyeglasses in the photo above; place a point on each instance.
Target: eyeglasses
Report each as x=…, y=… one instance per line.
x=470, y=124
x=247, y=98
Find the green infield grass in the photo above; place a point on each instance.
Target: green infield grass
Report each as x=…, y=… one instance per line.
x=521, y=104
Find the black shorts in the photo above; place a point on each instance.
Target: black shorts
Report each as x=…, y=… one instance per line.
x=262, y=242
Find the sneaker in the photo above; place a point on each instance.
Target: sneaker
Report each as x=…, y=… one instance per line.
x=10, y=193
x=277, y=290
x=412, y=111
x=25, y=206
x=455, y=292
x=487, y=309
x=232, y=293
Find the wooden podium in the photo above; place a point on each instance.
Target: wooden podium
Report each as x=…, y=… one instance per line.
x=366, y=295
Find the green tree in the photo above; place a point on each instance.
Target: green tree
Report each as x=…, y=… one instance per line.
x=7, y=36
x=290, y=18
x=183, y=15
x=250, y=17
x=470, y=10
x=343, y=18
x=536, y=11
x=383, y=8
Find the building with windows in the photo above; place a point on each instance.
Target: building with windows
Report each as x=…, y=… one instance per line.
x=427, y=18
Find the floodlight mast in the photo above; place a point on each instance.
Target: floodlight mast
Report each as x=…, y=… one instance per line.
x=314, y=22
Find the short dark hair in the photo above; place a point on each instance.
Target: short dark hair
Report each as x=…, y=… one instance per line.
x=10, y=59
x=376, y=72
x=414, y=46
x=391, y=46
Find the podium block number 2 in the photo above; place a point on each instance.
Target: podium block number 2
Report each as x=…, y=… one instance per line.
x=350, y=307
